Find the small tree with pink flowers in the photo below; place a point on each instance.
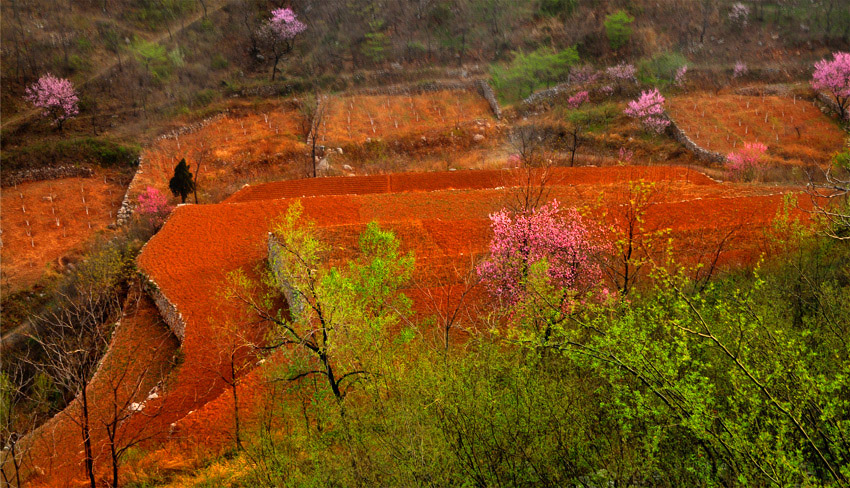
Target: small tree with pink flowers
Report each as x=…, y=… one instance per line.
x=578, y=99
x=153, y=206
x=746, y=163
x=559, y=241
x=56, y=96
x=834, y=77
x=279, y=33
x=649, y=109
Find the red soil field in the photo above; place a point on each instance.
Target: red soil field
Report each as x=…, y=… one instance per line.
x=46, y=223
x=446, y=228
x=236, y=148
x=139, y=357
x=794, y=130
x=466, y=180
x=356, y=118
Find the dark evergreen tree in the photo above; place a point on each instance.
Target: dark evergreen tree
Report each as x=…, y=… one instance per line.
x=182, y=183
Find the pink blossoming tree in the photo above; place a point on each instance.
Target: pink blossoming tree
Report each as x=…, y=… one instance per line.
x=578, y=99
x=740, y=69
x=522, y=240
x=279, y=33
x=834, y=77
x=681, y=73
x=153, y=206
x=649, y=109
x=56, y=96
x=746, y=163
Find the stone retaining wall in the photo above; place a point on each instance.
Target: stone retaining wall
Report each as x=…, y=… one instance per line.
x=45, y=173
x=295, y=303
x=167, y=310
x=701, y=153
x=486, y=91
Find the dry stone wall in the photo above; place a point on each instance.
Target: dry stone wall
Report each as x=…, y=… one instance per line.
x=295, y=302
x=45, y=173
x=167, y=310
x=701, y=153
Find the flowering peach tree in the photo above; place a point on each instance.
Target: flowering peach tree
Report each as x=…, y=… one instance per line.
x=279, y=33
x=746, y=162
x=558, y=240
x=649, y=109
x=578, y=99
x=56, y=96
x=153, y=206
x=834, y=77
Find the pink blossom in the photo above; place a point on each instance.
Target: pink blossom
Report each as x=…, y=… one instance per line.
x=153, y=205
x=625, y=155
x=740, y=14
x=622, y=72
x=680, y=76
x=56, y=96
x=514, y=161
x=584, y=74
x=607, y=90
x=523, y=239
x=746, y=162
x=649, y=109
x=740, y=69
x=578, y=99
x=834, y=77
x=284, y=24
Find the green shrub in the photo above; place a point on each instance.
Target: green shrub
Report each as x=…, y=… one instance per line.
x=618, y=29
x=554, y=8
x=218, y=61
x=102, y=152
x=661, y=68
x=528, y=72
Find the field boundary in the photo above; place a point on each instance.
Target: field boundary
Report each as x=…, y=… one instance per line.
x=46, y=173
x=701, y=153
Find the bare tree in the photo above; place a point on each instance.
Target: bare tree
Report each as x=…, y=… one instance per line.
x=15, y=382
x=312, y=109
x=831, y=200
x=73, y=338
x=449, y=302
x=528, y=185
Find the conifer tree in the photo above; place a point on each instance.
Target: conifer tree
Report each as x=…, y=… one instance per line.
x=182, y=183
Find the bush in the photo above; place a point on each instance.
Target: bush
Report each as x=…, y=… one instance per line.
x=617, y=28
x=528, y=72
x=661, y=69
x=103, y=152
x=554, y=8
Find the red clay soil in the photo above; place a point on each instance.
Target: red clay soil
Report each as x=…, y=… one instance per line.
x=446, y=229
x=33, y=243
x=460, y=180
x=139, y=357
x=357, y=118
x=794, y=131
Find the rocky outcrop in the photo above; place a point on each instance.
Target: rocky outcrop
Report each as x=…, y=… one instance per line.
x=701, y=153
x=45, y=173
x=546, y=95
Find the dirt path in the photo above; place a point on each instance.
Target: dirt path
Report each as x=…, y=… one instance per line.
x=158, y=38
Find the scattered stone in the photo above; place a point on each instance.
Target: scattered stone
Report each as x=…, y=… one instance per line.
x=347, y=167
x=339, y=150
x=478, y=138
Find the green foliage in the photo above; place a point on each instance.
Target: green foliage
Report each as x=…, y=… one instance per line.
x=594, y=117
x=660, y=70
x=156, y=61
x=377, y=42
x=554, y=8
x=618, y=29
x=528, y=72
x=743, y=382
x=92, y=150
x=218, y=61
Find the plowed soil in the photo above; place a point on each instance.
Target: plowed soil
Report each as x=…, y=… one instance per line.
x=355, y=119
x=794, y=130
x=46, y=223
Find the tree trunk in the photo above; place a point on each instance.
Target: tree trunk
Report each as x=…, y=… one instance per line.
x=195, y=187
x=235, y=402
x=89, y=461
